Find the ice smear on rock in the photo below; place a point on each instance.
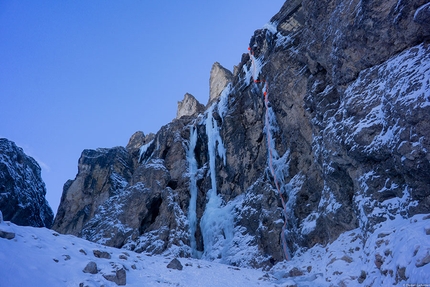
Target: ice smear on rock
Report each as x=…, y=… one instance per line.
x=143, y=149
x=223, y=101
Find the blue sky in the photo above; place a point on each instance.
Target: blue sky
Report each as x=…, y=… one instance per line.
x=78, y=75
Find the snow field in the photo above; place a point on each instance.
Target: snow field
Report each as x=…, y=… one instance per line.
x=40, y=257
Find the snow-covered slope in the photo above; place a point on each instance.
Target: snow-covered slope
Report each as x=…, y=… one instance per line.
x=40, y=257
x=399, y=248
x=396, y=254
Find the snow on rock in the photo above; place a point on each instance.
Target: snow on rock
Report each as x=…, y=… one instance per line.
x=377, y=121
x=397, y=253
x=22, y=190
x=100, y=173
x=398, y=87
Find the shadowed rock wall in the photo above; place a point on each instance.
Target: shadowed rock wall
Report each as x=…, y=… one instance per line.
x=22, y=190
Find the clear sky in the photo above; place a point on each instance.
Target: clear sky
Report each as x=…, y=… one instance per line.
x=82, y=74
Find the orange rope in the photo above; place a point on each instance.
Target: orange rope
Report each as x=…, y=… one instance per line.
x=269, y=140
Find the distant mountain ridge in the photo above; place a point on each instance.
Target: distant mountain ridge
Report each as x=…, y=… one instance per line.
x=346, y=126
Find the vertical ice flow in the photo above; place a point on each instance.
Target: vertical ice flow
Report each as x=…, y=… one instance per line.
x=216, y=222
x=143, y=150
x=192, y=170
x=214, y=144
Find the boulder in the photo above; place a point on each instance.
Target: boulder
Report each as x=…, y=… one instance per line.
x=7, y=234
x=175, y=264
x=101, y=254
x=91, y=268
x=118, y=276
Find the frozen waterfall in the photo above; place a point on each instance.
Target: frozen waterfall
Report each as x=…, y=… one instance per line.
x=216, y=223
x=192, y=170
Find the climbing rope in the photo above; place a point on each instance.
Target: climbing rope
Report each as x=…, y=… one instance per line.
x=269, y=147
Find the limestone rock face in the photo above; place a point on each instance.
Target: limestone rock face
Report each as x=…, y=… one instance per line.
x=101, y=173
x=22, y=190
x=219, y=79
x=189, y=106
x=124, y=197
x=342, y=139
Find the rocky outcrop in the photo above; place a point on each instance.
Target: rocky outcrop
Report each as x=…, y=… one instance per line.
x=422, y=17
x=22, y=190
x=101, y=173
x=219, y=78
x=343, y=138
x=124, y=195
x=189, y=106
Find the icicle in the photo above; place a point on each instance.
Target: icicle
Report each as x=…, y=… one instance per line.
x=143, y=149
x=192, y=170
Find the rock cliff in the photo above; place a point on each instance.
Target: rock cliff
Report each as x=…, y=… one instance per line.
x=189, y=106
x=22, y=190
x=219, y=78
x=323, y=128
